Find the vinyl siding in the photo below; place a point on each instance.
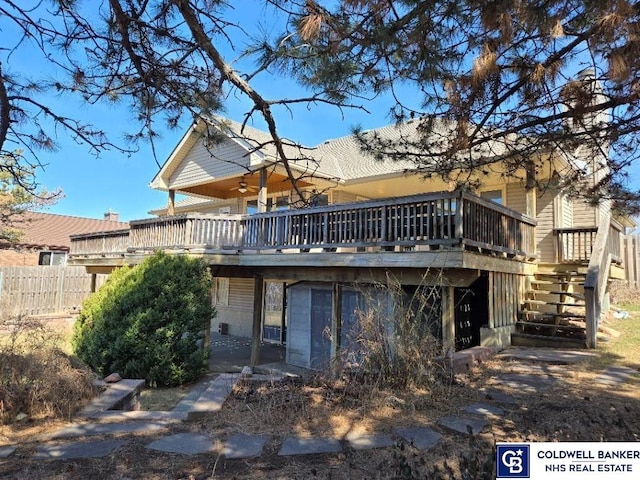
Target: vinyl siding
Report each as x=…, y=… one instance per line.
x=516, y=197
x=343, y=197
x=544, y=230
x=567, y=212
x=584, y=215
x=201, y=165
x=236, y=206
x=239, y=313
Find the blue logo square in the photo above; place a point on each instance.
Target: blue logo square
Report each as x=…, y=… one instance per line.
x=512, y=460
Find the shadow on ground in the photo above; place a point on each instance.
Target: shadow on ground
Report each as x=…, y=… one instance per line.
x=230, y=353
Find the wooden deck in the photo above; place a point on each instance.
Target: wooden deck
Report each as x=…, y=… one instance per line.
x=419, y=223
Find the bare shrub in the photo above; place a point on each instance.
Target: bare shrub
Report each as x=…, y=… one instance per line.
x=622, y=293
x=395, y=339
x=37, y=378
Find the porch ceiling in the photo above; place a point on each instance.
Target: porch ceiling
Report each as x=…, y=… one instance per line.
x=228, y=187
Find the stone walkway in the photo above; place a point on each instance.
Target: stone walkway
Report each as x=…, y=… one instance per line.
x=209, y=397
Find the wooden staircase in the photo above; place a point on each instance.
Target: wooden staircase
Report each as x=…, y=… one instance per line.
x=553, y=313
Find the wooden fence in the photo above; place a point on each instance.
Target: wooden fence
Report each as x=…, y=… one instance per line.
x=45, y=290
x=630, y=252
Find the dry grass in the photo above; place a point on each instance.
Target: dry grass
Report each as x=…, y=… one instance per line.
x=161, y=399
x=37, y=378
x=577, y=408
x=324, y=407
x=623, y=349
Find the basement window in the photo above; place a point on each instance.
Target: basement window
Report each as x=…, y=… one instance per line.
x=52, y=258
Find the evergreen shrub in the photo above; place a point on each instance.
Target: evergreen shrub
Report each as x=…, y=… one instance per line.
x=148, y=321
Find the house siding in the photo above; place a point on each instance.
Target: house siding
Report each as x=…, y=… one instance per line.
x=201, y=165
x=516, y=197
x=238, y=314
x=343, y=197
x=544, y=230
x=567, y=212
x=584, y=215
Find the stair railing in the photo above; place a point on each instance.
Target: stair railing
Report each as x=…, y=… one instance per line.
x=595, y=284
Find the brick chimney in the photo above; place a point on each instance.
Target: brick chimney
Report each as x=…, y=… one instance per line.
x=111, y=216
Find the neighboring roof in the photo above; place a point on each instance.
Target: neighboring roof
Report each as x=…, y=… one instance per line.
x=49, y=230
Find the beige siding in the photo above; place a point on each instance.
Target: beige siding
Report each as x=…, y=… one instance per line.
x=601, y=170
x=236, y=206
x=584, y=215
x=201, y=165
x=239, y=313
x=544, y=230
x=516, y=197
x=343, y=197
x=567, y=212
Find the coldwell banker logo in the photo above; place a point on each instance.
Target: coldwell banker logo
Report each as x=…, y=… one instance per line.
x=512, y=461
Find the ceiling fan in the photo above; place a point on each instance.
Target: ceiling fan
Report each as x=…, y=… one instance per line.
x=244, y=187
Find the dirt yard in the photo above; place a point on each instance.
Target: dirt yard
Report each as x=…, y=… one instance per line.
x=576, y=408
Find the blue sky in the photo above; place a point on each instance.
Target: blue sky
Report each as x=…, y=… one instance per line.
x=117, y=182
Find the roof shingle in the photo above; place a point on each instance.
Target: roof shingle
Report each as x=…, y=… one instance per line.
x=48, y=230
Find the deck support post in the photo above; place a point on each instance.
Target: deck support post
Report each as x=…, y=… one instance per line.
x=531, y=206
x=448, y=321
x=262, y=192
x=258, y=303
x=171, y=205
x=336, y=319
x=492, y=306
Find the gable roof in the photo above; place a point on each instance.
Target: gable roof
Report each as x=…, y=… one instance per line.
x=341, y=159
x=51, y=231
x=257, y=143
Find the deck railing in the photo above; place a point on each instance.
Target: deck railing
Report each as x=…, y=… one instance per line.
x=437, y=219
x=488, y=225
x=186, y=231
x=111, y=243
x=444, y=218
x=575, y=245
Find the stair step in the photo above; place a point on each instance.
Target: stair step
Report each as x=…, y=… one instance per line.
x=542, y=302
x=566, y=328
x=536, y=313
x=556, y=282
x=579, y=296
x=532, y=340
x=572, y=273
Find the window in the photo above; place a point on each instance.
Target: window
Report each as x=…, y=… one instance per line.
x=320, y=200
x=493, y=195
x=273, y=204
x=52, y=258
